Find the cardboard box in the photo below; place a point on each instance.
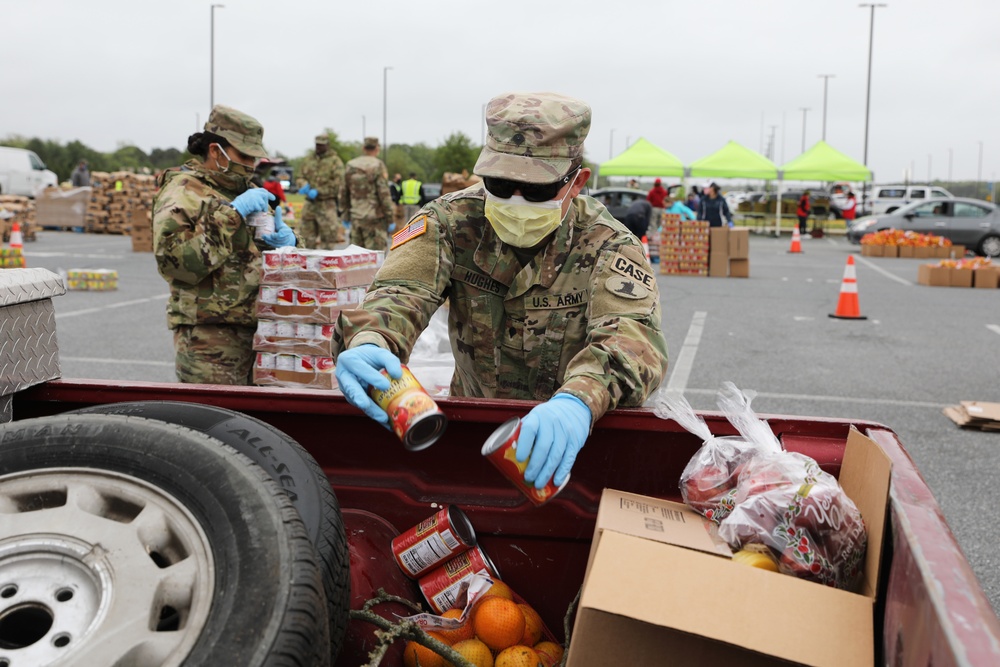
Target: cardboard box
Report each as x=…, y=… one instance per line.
x=988, y=278
x=922, y=252
x=940, y=251
x=739, y=243
x=873, y=250
x=718, y=265
x=890, y=251
x=933, y=275
x=957, y=251
x=718, y=239
x=906, y=251
x=739, y=268
x=960, y=277
x=658, y=589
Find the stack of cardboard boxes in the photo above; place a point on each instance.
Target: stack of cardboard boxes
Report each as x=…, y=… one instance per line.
x=729, y=253
x=115, y=197
x=15, y=208
x=142, y=229
x=301, y=295
x=961, y=273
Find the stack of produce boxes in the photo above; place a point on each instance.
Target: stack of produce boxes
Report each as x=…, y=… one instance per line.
x=899, y=243
x=978, y=272
x=94, y=280
x=15, y=208
x=115, y=197
x=684, y=246
x=301, y=295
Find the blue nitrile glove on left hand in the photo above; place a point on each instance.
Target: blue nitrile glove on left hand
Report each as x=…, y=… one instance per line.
x=312, y=194
x=392, y=227
x=304, y=189
x=552, y=434
x=283, y=234
x=253, y=200
x=360, y=367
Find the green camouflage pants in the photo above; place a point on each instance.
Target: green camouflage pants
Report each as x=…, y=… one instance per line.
x=371, y=234
x=320, y=227
x=214, y=353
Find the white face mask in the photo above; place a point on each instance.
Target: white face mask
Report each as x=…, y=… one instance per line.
x=521, y=223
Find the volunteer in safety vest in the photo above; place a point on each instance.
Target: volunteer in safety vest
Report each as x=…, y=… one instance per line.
x=413, y=194
x=550, y=297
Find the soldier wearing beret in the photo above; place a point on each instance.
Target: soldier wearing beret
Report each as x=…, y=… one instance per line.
x=324, y=173
x=366, y=198
x=208, y=254
x=551, y=298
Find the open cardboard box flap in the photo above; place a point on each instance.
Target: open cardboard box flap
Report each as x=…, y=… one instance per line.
x=660, y=565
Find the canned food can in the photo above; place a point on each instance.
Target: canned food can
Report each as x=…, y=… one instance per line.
x=305, y=297
x=500, y=449
x=284, y=329
x=434, y=540
x=268, y=294
x=305, y=331
x=440, y=586
x=285, y=362
x=267, y=327
x=414, y=416
x=266, y=360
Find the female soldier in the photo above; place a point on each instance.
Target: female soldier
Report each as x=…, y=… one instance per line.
x=207, y=253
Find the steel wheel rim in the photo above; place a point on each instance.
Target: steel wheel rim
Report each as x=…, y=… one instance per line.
x=101, y=567
x=991, y=246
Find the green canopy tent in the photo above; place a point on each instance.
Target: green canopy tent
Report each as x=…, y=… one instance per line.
x=822, y=162
x=643, y=159
x=734, y=161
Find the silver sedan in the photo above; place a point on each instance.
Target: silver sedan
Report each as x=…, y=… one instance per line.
x=973, y=223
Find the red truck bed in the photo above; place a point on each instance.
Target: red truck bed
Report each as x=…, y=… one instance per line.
x=932, y=610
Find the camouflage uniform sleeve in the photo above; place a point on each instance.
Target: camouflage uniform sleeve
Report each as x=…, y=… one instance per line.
x=329, y=176
x=192, y=231
x=384, y=195
x=344, y=198
x=625, y=356
x=408, y=289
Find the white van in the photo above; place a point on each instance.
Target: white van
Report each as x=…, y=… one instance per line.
x=23, y=173
x=887, y=198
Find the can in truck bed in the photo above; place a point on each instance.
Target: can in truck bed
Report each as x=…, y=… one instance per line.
x=433, y=541
x=440, y=586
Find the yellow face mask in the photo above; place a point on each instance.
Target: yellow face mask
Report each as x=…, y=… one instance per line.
x=521, y=223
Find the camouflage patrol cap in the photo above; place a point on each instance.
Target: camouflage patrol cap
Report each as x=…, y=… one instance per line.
x=322, y=140
x=243, y=132
x=533, y=137
x=371, y=142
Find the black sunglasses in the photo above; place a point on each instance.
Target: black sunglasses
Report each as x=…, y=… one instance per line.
x=534, y=192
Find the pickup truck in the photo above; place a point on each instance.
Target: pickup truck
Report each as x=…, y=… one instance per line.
x=930, y=609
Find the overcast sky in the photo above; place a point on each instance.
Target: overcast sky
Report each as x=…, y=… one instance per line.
x=687, y=76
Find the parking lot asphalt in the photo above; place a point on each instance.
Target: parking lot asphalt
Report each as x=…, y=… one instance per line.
x=919, y=350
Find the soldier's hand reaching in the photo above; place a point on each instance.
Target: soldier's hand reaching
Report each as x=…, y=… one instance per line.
x=254, y=200
x=283, y=234
x=552, y=434
x=304, y=189
x=360, y=367
x=312, y=194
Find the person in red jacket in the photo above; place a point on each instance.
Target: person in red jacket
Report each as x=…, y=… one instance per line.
x=850, y=208
x=803, y=211
x=655, y=198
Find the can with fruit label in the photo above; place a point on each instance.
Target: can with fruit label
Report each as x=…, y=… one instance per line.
x=438, y=538
x=440, y=586
x=413, y=415
x=501, y=448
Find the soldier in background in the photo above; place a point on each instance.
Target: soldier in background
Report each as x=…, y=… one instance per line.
x=324, y=174
x=207, y=253
x=366, y=199
x=551, y=299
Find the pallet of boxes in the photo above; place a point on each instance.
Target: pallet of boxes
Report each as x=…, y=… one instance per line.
x=301, y=295
x=978, y=272
x=729, y=252
x=115, y=198
x=15, y=208
x=692, y=248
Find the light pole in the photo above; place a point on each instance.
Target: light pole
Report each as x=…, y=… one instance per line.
x=364, y=132
x=868, y=95
x=611, y=145
x=804, y=112
x=211, y=93
x=826, y=80
x=949, y=164
x=979, y=173
x=930, y=178
x=385, y=107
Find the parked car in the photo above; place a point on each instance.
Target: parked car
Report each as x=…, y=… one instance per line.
x=431, y=192
x=970, y=222
x=617, y=200
x=888, y=198
x=23, y=173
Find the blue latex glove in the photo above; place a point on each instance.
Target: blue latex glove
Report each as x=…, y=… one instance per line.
x=253, y=200
x=283, y=234
x=304, y=189
x=731, y=225
x=347, y=224
x=552, y=434
x=392, y=227
x=360, y=367
x=312, y=194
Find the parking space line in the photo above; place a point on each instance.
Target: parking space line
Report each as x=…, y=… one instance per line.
x=685, y=360
x=995, y=328
x=834, y=399
x=121, y=362
x=885, y=273
x=120, y=304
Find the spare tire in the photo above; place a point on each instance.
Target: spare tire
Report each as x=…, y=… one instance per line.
x=131, y=541
x=291, y=466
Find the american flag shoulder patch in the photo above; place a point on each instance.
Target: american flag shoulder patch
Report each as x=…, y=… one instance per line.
x=411, y=231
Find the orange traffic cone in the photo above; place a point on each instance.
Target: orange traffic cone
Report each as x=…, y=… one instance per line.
x=645, y=246
x=847, y=306
x=16, y=239
x=796, y=241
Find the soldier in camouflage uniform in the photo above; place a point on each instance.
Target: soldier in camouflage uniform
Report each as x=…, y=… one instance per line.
x=206, y=251
x=551, y=298
x=324, y=171
x=366, y=198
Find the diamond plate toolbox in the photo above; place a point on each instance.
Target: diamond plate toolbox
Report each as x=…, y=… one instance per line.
x=29, y=351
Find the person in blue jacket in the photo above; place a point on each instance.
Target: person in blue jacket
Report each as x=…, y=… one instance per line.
x=671, y=205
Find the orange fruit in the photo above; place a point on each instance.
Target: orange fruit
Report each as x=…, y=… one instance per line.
x=499, y=623
x=550, y=653
x=517, y=656
x=500, y=589
x=414, y=654
x=452, y=637
x=532, y=626
x=475, y=652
